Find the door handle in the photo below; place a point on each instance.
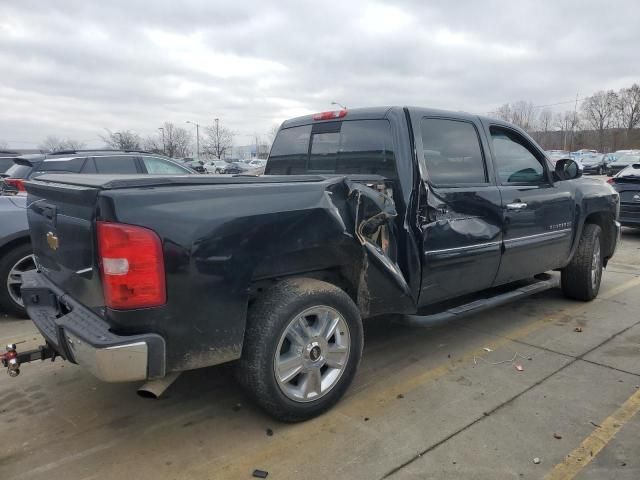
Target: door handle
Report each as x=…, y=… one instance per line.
x=516, y=206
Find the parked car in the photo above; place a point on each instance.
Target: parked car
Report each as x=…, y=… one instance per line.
x=15, y=252
x=234, y=168
x=215, y=166
x=87, y=161
x=627, y=184
x=6, y=159
x=196, y=165
x=622, y=162
x=594, y=163
x=347, y=224
x=555, y=155
x=256, y=167
x=15, y=244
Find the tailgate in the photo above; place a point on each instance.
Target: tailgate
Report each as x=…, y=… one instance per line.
x=62, y=234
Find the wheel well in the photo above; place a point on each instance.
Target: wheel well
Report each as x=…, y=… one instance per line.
x=605, y=221
x=334, y=276
x=14, y=243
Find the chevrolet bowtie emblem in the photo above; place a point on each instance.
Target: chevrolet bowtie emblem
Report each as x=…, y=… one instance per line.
x=52, y=240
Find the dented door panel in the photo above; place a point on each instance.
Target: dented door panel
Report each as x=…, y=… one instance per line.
x=462, y=236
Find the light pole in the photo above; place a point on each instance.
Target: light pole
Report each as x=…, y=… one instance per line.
x=339, y=104
x=164, y=151
x=197, y=138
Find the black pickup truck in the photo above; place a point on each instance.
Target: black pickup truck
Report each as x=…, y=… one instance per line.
x=413, y=212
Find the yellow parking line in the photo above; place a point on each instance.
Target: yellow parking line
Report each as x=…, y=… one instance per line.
x=376, y=397
x=594, y=443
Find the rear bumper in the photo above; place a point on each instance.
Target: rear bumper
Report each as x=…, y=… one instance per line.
x=80, y=336
x=630, y=214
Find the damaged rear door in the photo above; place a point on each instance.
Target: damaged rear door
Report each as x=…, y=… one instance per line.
x=459, y=217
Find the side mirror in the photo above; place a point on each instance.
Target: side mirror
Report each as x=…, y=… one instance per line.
x=567, y=169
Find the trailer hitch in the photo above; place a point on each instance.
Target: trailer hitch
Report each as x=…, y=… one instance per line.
x=12, y=360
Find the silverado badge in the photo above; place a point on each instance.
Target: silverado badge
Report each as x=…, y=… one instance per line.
x=52, y=240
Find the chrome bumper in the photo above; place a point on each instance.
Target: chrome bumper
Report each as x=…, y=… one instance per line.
x=80, y=336
x=120, y=363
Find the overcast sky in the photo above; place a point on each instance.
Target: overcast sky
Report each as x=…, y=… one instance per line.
x=72, y=68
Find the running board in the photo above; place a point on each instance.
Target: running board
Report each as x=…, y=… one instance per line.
x=479, y=305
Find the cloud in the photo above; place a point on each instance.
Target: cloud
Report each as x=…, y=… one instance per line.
x=73, y=68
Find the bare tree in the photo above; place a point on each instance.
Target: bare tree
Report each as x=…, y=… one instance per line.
x=122, y=140
x=566, y=123
x=545, y=122
x=598, y=111
x=503, y=112
x=55, y=144
x=520, y=113
x=218, y=140
x=629, y=107
x=4, y=145
x=523, y=115
x=172, y=141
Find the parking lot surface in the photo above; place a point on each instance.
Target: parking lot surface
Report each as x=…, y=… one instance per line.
x=442, y=402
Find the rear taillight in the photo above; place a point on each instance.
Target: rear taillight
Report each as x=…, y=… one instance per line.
x=330, y=115
x=16, y=183
x=611, y=181
x=132, y=266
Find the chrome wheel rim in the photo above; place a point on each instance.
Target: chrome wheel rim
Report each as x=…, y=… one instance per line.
x=14, y=280
x=595, y=265
x=312, y=354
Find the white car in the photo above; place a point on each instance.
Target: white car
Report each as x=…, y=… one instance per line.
x=256, y=167
x=214, y=166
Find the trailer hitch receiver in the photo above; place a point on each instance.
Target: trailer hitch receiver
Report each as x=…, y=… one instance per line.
x=12, y=360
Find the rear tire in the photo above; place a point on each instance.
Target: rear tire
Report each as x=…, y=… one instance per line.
x=582, y=277
x=302, y=348
x=12, y=264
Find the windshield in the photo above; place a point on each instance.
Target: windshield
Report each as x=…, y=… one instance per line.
x=18, y=170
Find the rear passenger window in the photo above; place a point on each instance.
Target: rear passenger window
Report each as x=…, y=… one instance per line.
x=116, y=164
x=452, y=152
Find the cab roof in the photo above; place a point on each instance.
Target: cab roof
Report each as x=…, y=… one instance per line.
x=375, y=113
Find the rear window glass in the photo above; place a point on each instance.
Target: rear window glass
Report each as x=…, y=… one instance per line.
x=5, y=163
x=289, y=152
x=18, y=170
x=356, y=147
x=68, y=165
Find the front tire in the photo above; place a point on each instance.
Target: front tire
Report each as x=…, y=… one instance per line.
x=13, y=264
x=581, y=279
x=302, y=347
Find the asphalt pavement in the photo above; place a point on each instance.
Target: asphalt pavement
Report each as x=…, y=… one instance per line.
x=440, y=403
